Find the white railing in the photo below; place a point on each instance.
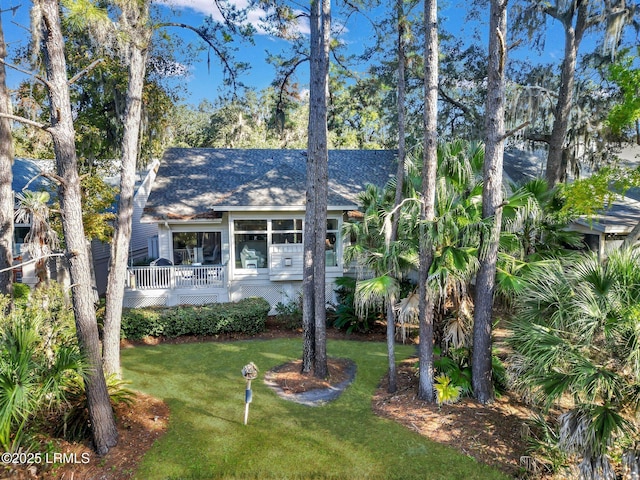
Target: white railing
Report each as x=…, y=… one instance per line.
x=174, y=277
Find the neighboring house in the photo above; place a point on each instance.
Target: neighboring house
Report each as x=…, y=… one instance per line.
x=230, y=223
x=609, y=227
x=27, y=176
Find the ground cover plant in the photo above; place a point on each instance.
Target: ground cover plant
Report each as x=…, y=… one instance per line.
x=206, y=438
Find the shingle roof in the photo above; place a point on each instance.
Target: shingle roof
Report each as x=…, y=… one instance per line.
x=26, y=173
x=198, y=183
x=618, y=218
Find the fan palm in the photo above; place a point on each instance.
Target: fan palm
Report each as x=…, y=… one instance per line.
x=383, y=262
x=41, y=240
x=533, y=232
x=38, y=359
x=576, y=345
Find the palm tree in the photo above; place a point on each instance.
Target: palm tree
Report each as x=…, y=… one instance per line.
x=39, y=359
x=533, y=233
x=41, y=240
x=454, y=231
x=382, y=258
x=576, y=347
x=384, y=262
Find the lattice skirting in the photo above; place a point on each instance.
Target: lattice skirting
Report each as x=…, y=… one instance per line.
x=197, y=299
x=143, y=302
x=281, y=292
x=277, y=293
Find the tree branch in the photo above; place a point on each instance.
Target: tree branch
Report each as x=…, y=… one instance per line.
x=33, y=260
x=26, y=121
x=538, y=137
x=84, y=71
x=26, y=72
x=509, y=133
x=208, y=41
x=55, y=177
x=466, y=110
x=285, y=79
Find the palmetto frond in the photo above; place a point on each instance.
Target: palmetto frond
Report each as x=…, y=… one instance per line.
x=375, y=292
x=576, y=337
x=33, y=208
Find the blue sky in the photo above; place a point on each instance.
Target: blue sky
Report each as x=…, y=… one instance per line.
x=202, y=82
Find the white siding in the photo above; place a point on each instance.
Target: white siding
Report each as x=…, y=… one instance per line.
x=141, y=232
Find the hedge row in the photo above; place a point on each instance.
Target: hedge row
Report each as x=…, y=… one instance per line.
x=246, y=316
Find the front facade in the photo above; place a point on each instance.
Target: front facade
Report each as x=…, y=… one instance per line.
x=230, y=223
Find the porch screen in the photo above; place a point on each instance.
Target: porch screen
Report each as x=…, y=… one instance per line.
x=197, y=247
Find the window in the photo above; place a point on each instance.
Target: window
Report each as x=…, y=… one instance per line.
x=19, y=234
x=251, y=243
x=286, y=231
x=254, y=237
x=331, y=243
x=197, y=247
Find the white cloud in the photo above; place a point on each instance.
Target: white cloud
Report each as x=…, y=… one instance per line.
x=208, y=7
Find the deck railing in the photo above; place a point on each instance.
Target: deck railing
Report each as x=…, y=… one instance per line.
x=174, y=277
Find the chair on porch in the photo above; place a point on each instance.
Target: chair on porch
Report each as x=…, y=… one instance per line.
x=249, y=258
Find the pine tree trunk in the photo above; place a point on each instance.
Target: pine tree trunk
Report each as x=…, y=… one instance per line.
x=105, y=434
x=310, y=226
x=391, y=317
x=491, y=201
x=317, y=153
x=6, y=179
x=430, y=162
x=308, y=290
x=572, y=37
x=122, y=234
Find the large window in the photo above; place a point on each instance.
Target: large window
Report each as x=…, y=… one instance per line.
x=19, y=234
x=253, y=238
x=197, y=248
x=251, y=243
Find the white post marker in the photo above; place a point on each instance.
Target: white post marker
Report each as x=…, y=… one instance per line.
x=249, y=372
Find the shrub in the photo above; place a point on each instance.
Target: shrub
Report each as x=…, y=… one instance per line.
x=140, y=323
x=290, y=314
x=345, y=315
x=39, y=357
x=446, y=392
x=71, y=419
x=456, y=367
x=20, y=292
x=246, y=316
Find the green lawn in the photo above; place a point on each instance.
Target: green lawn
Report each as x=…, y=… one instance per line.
x=206, y=439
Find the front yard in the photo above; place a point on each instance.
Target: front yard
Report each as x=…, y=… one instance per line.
x=204, y=390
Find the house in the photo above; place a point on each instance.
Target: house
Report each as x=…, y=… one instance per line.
x=230, y=223
x=27, y=175
x=142, y=235
x=609, y=227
